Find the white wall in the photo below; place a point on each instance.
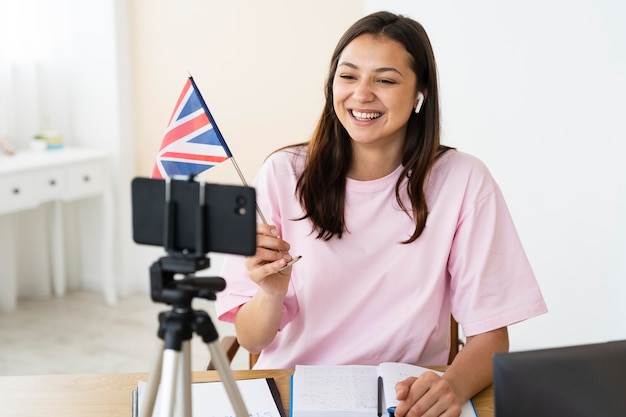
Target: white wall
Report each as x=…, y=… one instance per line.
x=260, y=66
x=536, y=89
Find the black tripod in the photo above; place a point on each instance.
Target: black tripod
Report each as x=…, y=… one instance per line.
x=176, y=327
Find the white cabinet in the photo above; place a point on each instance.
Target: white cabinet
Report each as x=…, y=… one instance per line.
x=29, y=179
x=17, y=192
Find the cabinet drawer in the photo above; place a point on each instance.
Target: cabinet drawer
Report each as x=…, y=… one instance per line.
x=50, y=184
x=17, y=192
x=85, y=180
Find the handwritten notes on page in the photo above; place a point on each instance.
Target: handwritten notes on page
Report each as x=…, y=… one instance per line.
x=334, y=391
x=211, y=399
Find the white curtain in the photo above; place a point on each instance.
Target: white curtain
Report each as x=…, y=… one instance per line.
x=35, y=60
x=60, y=70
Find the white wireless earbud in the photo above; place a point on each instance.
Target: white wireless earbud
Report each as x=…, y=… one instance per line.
x=420, y=101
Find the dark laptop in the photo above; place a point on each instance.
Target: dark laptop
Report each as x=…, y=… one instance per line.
x=576, y=381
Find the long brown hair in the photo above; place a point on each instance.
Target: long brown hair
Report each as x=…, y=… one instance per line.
x=322, y=186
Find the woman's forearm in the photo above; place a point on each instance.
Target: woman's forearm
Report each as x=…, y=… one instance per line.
x=258, y=320
x=472, y=369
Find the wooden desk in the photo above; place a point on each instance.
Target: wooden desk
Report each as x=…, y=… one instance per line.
x=109, y=395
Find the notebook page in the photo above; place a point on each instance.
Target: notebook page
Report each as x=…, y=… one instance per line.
x=334, y=390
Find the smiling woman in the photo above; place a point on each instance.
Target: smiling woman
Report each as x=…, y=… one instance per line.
x=396, y=233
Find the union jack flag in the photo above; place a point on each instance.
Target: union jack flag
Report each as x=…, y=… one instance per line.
x=192, y=142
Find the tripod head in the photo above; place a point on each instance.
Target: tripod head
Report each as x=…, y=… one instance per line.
x=166, y=289
x=190, y=218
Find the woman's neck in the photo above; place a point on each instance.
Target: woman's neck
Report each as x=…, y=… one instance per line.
x=372, y=164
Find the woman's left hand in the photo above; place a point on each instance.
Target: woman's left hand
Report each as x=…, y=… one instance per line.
x=428, y=395
x=470, y=372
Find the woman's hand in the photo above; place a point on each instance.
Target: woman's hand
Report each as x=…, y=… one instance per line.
x=266, y=266
x=257, y=321
x=428, y=395
x=470, y=372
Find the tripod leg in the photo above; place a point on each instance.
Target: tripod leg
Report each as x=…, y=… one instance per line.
x=168, y=383
x=183, y=399
x=223, y=368
x=154, y=378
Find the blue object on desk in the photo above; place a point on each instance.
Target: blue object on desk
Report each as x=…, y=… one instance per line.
x=391, y=411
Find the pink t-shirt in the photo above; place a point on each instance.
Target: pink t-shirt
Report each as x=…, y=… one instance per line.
x=367, y=298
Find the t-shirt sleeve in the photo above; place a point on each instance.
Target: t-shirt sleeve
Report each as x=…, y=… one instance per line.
x=239, y=288
x=492, y=282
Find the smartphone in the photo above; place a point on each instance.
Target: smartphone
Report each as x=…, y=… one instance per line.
x=190, y=217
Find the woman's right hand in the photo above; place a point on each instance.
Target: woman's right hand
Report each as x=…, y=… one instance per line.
x=266, y=266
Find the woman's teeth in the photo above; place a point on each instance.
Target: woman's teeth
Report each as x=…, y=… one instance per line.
x=365, y=116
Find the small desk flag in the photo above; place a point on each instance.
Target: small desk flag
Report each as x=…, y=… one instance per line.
x=192, y=142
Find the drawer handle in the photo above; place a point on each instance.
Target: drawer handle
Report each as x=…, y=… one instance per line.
x=52, y=182
x=86, y=178
x=16, y=191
